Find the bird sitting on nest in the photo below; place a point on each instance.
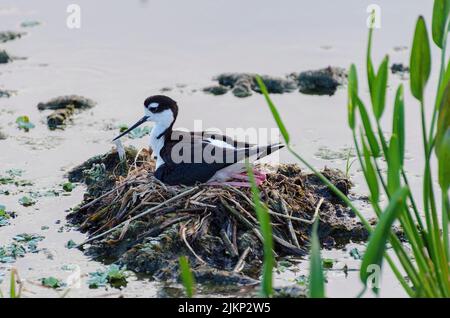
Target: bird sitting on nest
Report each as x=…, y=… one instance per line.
x=188, y=158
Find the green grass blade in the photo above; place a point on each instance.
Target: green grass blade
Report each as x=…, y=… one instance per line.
x=443, y=118
x=398, y=122
x=316, y=277
x=420, y=62
x=352, y=95
x=370, y=174
x=12, y=286
x=440, y=14
x=186, y=276
x=373, y=143
x=273, y=109
x=369, y=64
x=444, y=162
x=266, y=230
x=379, y=90
x=377, y=243
x=394, y=165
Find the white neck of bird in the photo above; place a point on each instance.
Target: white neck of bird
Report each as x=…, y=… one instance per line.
x=156, y=144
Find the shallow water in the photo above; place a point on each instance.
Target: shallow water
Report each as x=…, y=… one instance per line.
x=126, y=51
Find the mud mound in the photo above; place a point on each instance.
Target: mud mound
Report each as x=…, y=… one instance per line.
x=141, y=223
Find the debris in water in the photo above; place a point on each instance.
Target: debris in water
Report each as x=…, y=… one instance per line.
x=6, y=93
x=6, y=36
x=354, y=252
x=400, y=69
x=3, y=136
x=137, y=221
x=321, y=82
x=242, y=84
x=59, y=117
x=61, y=102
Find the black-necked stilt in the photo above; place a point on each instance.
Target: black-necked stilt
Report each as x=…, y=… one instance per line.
x=187, y=158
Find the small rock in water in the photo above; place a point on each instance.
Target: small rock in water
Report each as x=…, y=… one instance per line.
x=216, y=90
x=3, y=136
x=321, y=82
x=399, y=68
x=61, y=102
x=5, y=57
x=6, y=36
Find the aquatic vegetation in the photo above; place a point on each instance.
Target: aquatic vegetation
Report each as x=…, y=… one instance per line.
x=68, y=186
x=14, y=291
x=6, y=36
x=427, y=269
x=316, y=285
x=4, y=216
x=23, y=243
x=29, y=24
x=136, y=133
x=27, y=201
x=262, y=214
x=23, y=122
x=114, y=275
x=52, y=282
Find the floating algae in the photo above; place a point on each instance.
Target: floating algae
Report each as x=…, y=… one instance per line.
x=135, y=220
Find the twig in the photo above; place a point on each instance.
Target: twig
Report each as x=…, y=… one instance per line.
x=228, y=244
x=290, y=227
x=105, y=194
x=183, y=236
x=240, y=263
x=182, y=194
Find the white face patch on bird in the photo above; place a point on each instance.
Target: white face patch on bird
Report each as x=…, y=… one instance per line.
x=160, y=109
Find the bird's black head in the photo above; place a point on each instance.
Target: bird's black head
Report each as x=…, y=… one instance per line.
x=159, y=103
x=160, y=109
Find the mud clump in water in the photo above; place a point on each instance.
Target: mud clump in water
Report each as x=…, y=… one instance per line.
x=243, y=84
x=6, y=93
x=5, y=57
x=64, y=107
x=6, y=36
x=150, y=225
x=216, y=90
x=321, y=82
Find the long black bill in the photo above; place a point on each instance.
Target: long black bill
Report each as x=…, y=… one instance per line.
x=140, y=122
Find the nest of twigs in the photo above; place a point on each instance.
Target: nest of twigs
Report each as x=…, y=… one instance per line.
x=135, y=219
